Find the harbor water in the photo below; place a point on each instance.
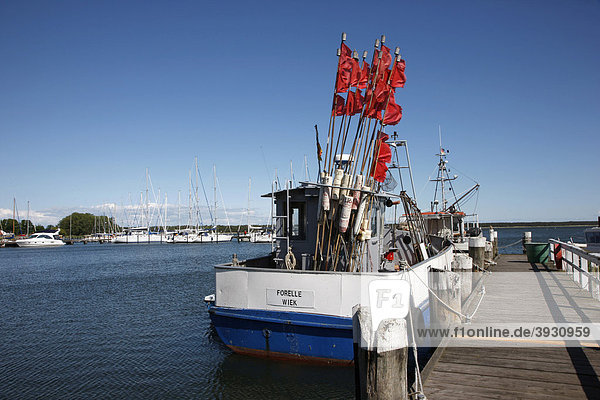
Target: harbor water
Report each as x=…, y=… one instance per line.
x=509, y=239
x=129, y=321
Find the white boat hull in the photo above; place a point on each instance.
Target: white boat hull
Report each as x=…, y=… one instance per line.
x=33, y=243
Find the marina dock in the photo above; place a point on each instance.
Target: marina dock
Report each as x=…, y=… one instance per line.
x=517, y=371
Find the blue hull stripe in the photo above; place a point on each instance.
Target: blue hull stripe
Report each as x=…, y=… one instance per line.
x=301, y=336
x=290, y=319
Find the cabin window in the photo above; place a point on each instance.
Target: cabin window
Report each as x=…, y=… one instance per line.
x=593, y=237
x=298, y=221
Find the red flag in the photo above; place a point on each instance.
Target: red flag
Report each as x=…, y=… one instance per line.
x=382, y=91
x=355, y=102
x=386, y=59
x=373, y=106
x=344, y=69
x=384, y=75
x=343, y=77
x=359, y=102
x=398, y=78
x=345, y=52
x=364, y=76
x=384, y=156
x=393, y=112
x=356, y=72
x=373, y=112
x=338, y=106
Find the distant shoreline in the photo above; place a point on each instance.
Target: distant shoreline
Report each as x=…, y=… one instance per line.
x=574, y=224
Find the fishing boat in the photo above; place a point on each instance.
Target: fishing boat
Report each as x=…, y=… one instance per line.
x=446, y=219
x=41, y=239
x=332, y=244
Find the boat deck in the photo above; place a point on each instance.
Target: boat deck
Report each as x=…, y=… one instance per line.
x=517, y=371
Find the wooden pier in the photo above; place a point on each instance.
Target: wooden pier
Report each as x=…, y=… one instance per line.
x=522, y=372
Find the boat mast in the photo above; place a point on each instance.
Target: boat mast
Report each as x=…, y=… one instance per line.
x=215, y=194
x=147, y=207
x=190, y=214
x=442, y=166
x=27, y=218
x=248, y=213
x=178, y=210
x=442, y=178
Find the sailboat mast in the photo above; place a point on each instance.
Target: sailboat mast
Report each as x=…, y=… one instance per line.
x=179, y=210
x=196, y=201
x=248, y=214
x=190, y=214
x=14, y=210
x=165, y=221
x=27, y=218
x=215, y=194
x=147, y=206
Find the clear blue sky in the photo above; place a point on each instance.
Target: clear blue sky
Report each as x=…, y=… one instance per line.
x=93, y=92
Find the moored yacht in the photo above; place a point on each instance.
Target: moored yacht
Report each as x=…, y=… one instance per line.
x=140, y=235
x=42, y=239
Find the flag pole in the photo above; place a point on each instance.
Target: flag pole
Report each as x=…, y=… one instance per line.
x=331, y=131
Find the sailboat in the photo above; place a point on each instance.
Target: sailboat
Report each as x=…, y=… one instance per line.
x=333, y=245
x=192, y=232
x=255, y=234
x=212, y=235
x=142, y=233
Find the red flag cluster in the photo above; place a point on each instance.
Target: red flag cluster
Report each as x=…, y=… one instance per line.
x=380, y=80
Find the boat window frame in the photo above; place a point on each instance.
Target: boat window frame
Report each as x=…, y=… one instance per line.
x=300, y=234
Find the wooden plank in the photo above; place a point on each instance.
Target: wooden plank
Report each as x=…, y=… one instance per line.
x=560, y=355
x=490, y=371
x=468, y=386
x=541, y=365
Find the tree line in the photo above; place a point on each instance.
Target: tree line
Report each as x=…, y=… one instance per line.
x=75, y=224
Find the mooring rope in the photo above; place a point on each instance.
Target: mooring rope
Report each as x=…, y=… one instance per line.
x=512, y=244
x=418, y=378
x=466, y=317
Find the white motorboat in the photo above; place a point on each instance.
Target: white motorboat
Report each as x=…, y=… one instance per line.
x=42, y=239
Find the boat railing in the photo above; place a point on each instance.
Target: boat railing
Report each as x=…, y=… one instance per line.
x=582, y=266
